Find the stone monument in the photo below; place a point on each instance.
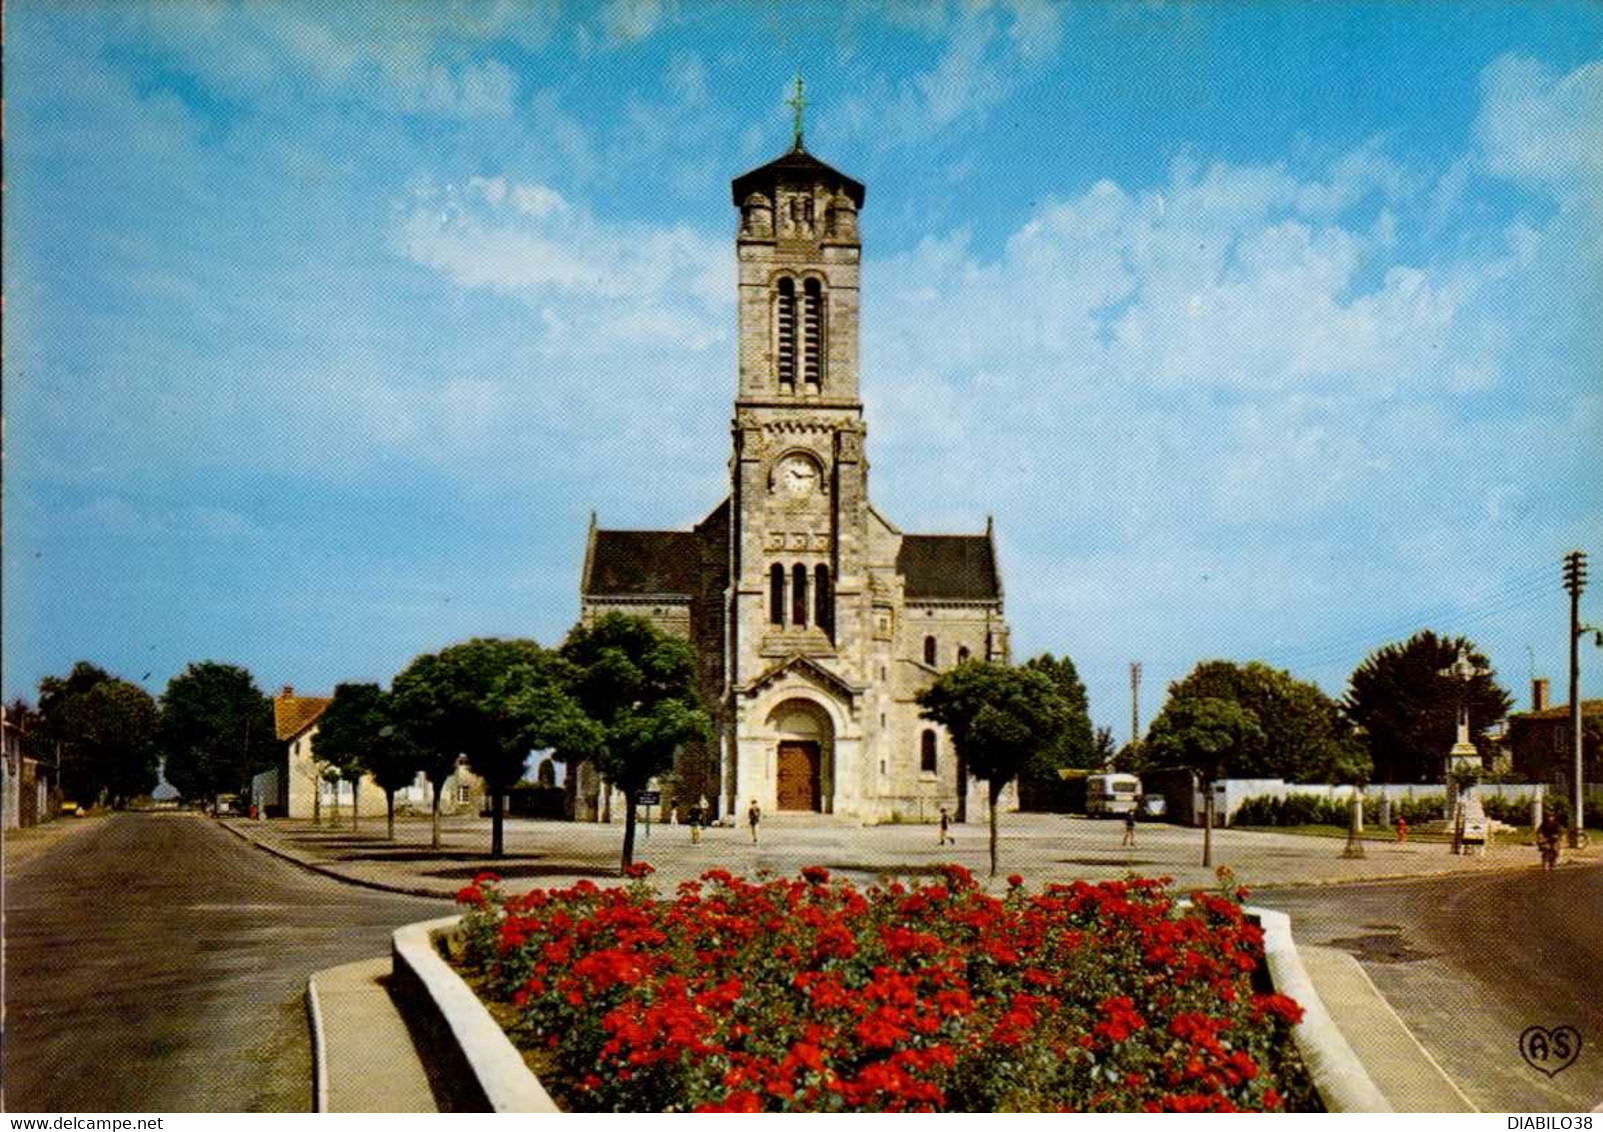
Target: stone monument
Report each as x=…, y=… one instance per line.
x=1464, y=767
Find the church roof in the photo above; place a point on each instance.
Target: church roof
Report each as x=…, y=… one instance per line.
x=796, y=163
x=644, y=562
x=949, y=568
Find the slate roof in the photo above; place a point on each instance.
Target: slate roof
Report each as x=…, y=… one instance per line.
x=644, y=562
x=294, y=714
x=796, y=163
x=949, y=568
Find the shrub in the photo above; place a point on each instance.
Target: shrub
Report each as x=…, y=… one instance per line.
x=811, y=994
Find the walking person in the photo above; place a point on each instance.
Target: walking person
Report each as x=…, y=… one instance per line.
x=1129, y=828
x=946, y=837
x=1547, y=840
x=754, y=815
x=1402, y=829
x=695, y=823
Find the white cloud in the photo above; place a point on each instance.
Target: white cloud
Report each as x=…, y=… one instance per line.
x=1538, y=126
x=627, y=21
x=599, y=285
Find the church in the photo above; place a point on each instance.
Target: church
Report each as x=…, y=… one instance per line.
x=816, y=620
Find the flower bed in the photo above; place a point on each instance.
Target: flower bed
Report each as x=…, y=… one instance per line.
x=814, y=994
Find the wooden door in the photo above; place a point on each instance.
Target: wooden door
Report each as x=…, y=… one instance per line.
x=798, y=776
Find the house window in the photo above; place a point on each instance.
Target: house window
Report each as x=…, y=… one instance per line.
x=824, y=600
x=813, y=335
x=962, y=653
x=929, y=651
x=776, y=594
x=786, y=333
x=926, y=752
x=464, y=794
x=798, y=595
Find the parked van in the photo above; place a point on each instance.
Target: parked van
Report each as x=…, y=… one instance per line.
x=1110, y=794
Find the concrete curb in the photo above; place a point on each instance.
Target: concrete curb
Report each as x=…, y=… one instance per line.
x=468, y=1043
x=1340, y=1078
x=332, y=874
x=314, y=1012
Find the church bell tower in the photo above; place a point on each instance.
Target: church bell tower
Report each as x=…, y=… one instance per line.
x=799, y=478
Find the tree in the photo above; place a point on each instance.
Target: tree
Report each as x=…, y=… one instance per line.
x=1204, y=734
x=1409, y=711
x=637, y=685
x=446, y=706
x=104, y=729
x=997, y=716
x=216, y=728
x=1074, y=746
x=1305, y=736
x=356, y=736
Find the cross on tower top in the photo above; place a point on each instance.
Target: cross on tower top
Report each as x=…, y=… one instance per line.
x=798, y=103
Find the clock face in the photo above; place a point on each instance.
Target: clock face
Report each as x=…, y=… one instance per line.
x=796, y=476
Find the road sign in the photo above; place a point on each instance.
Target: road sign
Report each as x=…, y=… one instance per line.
x=650, y=797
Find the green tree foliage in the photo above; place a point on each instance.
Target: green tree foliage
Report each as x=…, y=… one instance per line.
x=1206, y=734
x=104, y=730
x=446, y=705
x=357, y=735
x=997, y=716
x=216, y=729
x=1075, y=746
x=638, y=687
x=1305, y=736
x=1409, y=712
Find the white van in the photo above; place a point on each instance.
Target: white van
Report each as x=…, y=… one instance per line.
x=1109, y=794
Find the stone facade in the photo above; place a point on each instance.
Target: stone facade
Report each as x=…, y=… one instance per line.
x=816, y=620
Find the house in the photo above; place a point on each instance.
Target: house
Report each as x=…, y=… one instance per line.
x=1540, y=744
x=30, y=792
x=295, y=786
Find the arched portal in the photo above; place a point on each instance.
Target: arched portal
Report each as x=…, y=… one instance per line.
x=804, y=754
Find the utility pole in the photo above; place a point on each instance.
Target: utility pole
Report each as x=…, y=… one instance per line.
x=1135, y=701
x=1575, y=582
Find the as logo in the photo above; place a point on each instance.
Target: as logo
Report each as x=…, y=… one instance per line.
x=1550, y=1051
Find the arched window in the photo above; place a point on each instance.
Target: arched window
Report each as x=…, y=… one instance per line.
x=798, y=595
x=929, y=651
x=786, y=329
x=962, y=653
x=776, y=594
x=813, y=335
x=926, y=752
x=824, y=600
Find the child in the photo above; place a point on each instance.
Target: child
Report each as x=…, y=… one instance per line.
x=946, y=829
x=1129, y=828
x=753, y=816
x=1402, y=829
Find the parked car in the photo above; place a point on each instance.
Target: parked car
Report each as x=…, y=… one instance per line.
x=1153, y=806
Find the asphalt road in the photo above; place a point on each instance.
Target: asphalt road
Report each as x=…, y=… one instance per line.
x=1470, y=963
x=158, y=963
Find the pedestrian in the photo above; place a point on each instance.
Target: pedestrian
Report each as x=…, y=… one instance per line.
x=946, y=837
x=1402, y=829
x=695, y=824
x=1129, y=827
x=1547, y=840
x=673, y=815
x=753, y=815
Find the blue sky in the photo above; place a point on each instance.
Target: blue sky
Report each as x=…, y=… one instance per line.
x=1264, y=331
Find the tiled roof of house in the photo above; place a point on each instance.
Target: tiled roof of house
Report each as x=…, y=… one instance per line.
x=1560, y=711
x=644, y=562
x=949, y=568
x=293, y=714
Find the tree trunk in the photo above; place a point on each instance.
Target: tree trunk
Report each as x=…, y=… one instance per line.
x=389, y=811
x=435, y=817
x=356, y=800
x=996, y=794
x=962, y=787
x=497, y=846
x=1207, y=826
x=317, y=796
x=629, y=828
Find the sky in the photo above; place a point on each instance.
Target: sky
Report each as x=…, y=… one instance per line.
x=1263, y=331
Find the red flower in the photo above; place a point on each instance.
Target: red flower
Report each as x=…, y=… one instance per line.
x=1015, y=881
x=816, y=874
x=638, y=871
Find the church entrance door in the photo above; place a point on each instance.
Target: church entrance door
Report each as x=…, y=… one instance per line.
x=799, y=785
